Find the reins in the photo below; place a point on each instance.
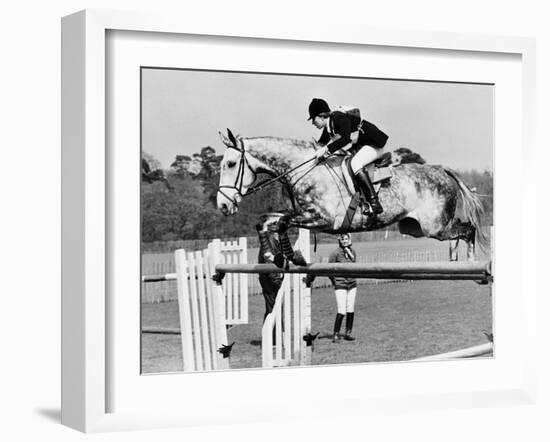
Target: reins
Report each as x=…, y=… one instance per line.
x=238, y=184
x=268, y=182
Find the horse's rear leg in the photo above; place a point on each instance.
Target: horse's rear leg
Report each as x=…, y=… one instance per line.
x=461, y=230
x=301, y=221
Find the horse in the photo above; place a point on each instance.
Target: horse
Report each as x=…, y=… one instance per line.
x=421, y=198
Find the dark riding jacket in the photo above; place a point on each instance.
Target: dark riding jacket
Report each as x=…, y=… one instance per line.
x=340, y=255
x=339, y=130
x=275, y=248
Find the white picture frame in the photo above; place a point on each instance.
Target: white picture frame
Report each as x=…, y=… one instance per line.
x=86, y=211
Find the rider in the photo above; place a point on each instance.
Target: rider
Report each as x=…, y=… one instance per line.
x=339, y=130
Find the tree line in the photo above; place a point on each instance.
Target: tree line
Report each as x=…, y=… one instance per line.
x=182, y=205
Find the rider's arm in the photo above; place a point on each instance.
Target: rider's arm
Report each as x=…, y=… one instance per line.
x=342, y=127
x=325, y=138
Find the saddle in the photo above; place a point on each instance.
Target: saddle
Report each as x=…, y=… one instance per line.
x=379, y=171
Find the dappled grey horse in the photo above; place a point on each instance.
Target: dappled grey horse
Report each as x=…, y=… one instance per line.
x=422, y=199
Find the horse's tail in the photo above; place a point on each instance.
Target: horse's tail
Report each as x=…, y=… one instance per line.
x=473, y=208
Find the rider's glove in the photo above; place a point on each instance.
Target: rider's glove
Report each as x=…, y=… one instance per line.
x=321, y=154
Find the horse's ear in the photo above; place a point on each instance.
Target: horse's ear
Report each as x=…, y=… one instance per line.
x=225, y=140
x=232, y=137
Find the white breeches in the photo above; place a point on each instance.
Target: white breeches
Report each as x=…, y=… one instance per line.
x=345, y=300
x=364, y=156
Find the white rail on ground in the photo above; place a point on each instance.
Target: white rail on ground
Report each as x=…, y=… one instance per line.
x=471, y=352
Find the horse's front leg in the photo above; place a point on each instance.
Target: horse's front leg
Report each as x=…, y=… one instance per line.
x=301, y=221
x=294, y=256
x=267, y=228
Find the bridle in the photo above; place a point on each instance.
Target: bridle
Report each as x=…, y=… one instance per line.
x=238, y=184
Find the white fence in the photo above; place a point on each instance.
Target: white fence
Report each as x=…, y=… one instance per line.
x=206, y=308
x=235, y=286
x=202, y=310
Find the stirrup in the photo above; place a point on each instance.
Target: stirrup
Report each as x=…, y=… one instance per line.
x=376, y=207
x=372, y=207
x=367, y=208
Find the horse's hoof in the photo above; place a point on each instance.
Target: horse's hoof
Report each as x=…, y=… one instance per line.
x=298, y=259
x=279, y=260
x=283, y=224
x=308, y=280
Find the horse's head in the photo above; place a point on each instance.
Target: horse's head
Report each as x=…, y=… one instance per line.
x=237, y=173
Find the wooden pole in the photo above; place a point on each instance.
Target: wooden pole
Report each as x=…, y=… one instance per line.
x=417, y=270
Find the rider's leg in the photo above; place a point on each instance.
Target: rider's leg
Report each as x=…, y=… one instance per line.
x=364, y=156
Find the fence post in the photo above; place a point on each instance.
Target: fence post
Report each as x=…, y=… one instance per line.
x=185, y=312
x=305, y=299
x=218, y=303
x=243, y=285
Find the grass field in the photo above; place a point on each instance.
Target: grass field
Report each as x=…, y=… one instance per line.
x=394, y=321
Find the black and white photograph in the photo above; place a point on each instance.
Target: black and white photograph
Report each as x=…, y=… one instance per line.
x=296, y=220
x=242, y=221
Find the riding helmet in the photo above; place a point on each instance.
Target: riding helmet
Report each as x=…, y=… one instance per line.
x=316, y=107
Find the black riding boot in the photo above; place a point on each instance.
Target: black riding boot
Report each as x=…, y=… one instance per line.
x=367, y=189
x=349, y=326
x=337, y=326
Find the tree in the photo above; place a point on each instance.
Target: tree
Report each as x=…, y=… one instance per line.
x=177, y=214
x=181, y=165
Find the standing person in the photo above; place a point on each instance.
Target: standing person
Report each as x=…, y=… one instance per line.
x=269, y=253
x=344, y=289
x=341, y=129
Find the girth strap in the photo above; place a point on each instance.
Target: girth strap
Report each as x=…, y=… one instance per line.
x=350, y=212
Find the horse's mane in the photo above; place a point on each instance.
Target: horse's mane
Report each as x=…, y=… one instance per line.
x=402, y=155
x=300, y=144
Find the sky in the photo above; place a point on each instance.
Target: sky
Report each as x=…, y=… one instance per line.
x=446, y=123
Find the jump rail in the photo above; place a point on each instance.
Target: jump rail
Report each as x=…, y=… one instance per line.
x=165, y=277
x=477, y=271
x=160, y=278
